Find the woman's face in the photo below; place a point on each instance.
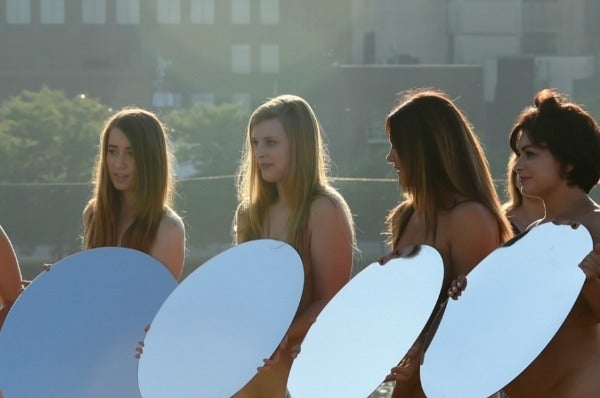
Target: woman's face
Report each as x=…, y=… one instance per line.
x=538, y=171
x=120, y=160
x=393, y=158
x=271, y=147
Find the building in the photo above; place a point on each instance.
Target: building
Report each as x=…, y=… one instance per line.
x=170, y=53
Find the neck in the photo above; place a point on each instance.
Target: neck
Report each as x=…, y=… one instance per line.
x=567, y=203
x=533, y=208
x=281, y=197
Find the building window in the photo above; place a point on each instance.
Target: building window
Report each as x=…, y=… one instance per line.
x=203, y=98
x=128, y=12
x=269, y=58
x=269, y=12
x=240, y=58
x=242, y=98
x=168, y=12
x=240, y=12
x=52, y=12
x=18, y=12
x=93, y=12
x=202, y=11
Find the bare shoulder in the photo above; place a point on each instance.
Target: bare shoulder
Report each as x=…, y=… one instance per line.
x=86, y=215
x=242, y=216
x=472, y=212
x=169, y=244
x=473, y=232
x=331, y=205
x=171, y=221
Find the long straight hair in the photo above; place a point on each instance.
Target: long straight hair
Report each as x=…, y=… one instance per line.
x=308, y=171
x=440, y=158
x=153, y=183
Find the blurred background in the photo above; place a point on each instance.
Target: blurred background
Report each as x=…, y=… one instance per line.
x=204, y=65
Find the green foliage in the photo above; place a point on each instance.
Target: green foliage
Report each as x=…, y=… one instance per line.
x=209, y=137
x=47, y=137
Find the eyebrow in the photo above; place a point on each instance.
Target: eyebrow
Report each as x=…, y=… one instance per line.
x=265, y=137
x=534, y=146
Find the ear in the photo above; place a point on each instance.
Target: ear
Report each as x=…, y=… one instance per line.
x=569, y=168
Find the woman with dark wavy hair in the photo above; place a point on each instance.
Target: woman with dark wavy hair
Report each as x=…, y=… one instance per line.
x=521, y=210
x=557, y=144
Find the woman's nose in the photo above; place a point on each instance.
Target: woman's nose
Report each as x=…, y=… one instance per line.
x=518, y=164
x=389, y=157
x=120, y=160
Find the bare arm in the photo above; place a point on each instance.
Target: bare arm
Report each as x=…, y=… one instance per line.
x=591, y=287
x=331, y=248
x=10, y=275
x=169, y=244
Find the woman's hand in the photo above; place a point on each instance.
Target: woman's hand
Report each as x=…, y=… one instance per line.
x=457, y=286
x=407, y=366
x=590, y=265
x=139, y=349
x=268, y=362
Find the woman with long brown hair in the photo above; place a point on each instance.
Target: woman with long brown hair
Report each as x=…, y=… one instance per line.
x=450, y=202
x=133, y=188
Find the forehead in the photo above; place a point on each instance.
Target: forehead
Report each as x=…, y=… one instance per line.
x=523, y=140
x=116, y=137
x=268, y=128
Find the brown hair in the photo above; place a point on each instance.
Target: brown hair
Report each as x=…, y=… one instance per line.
x=441, y=157
x=153, y=183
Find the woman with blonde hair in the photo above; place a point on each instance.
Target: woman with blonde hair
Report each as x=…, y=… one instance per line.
x=449, y=201
x=133, y=187
x=284, y=193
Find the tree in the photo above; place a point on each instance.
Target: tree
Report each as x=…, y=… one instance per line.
x=208, y=137
x=47, y=137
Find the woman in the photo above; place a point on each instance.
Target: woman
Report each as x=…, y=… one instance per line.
x=450, y=201
x=521, y=210
x=284, y=193
x=557, y=144
x=10, y=276
x=133, y=185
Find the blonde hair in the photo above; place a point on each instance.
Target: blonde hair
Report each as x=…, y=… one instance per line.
x=308, y=171
x=153, y=183
x=515, y=197
x=441, y=157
